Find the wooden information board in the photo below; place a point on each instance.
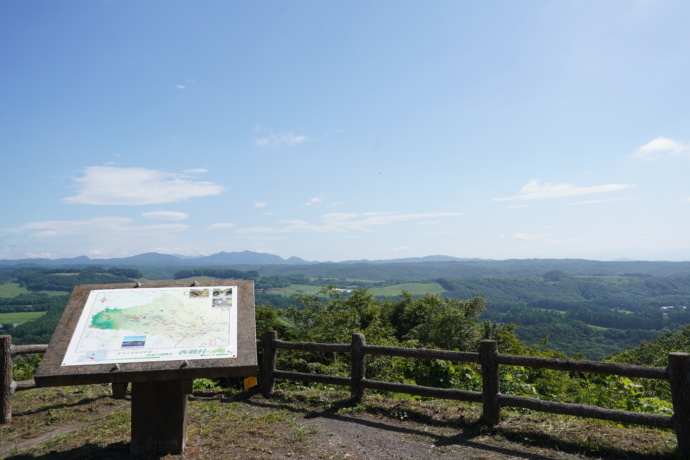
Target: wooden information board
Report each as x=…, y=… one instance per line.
x=159, y=336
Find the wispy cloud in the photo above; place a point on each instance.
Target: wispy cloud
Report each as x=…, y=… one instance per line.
x=316, y=200
x=180, y=86
x=534, y=190
x=531, y=236
x=104, y=227
x=402, y=248
x=165, y=215
x=260, y=204
x=600, y=201
x=344, y=222
x=282, y=139
x=222, y=225
x=110, y=185
x=662, y=147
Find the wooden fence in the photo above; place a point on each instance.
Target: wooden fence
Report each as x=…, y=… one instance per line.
x=9, y=386
x=677, y=373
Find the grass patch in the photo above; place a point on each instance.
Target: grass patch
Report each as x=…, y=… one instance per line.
x=21, y=317
x=12, y=290
x=412, y=288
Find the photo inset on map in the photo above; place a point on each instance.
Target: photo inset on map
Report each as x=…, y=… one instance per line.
x=198, y=293
x=222, y=298
x=134, y=341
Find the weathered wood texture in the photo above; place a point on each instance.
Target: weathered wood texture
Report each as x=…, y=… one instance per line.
x=422, y=353
x=580, y=410
x=491, y=409
x=313, y=346
x=427, y=392
x=52, y=373
x=119, y=390
x=269, y=365
x=576, y=365
x=5, y=379
x=159, y=422
x=679, y=370
x=359, y=364
x=27, y=349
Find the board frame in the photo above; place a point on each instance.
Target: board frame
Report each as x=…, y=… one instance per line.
x=51, y=372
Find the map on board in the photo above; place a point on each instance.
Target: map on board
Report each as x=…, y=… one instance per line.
x=155, y=324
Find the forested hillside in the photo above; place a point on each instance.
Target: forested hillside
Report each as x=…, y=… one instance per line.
x=589, y=315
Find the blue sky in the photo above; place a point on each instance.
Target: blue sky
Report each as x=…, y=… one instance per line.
x=346, y=130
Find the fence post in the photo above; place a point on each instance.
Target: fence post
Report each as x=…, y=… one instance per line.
x=491, y=408
x=6, y=380
x=679, y=369
x=267, y=380
x=358, y=366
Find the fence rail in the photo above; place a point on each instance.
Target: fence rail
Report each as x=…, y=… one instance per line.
x=677, y=373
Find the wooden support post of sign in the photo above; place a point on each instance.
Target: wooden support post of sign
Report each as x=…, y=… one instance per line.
x=159, y=422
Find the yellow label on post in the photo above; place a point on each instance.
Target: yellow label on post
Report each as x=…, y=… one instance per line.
x=250, y=382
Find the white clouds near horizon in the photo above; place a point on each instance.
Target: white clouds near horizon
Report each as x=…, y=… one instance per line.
x=101, y=226
x=534, y=190
x=134, y=186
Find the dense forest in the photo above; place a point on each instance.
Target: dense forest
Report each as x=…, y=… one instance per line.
x=592, y=316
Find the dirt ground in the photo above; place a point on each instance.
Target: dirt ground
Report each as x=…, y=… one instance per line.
x=85, y=423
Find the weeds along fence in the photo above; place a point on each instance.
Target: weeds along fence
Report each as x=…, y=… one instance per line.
x=677, y=373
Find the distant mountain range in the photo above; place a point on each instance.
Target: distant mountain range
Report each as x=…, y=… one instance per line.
x=153, y=259
x=164, y=266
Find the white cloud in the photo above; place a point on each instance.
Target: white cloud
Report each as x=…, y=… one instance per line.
x=180, y=86
x=165, y=215
x=280, y=139
x=343, y=222
x=402, y=248
x=103, y=227
x=334, y=131
x=601, y=201
x=531, y=236
x=534, y=190
x=662, y=147
x=316, y=200
x=222, y=225
x=110, y=185
x=260, y=204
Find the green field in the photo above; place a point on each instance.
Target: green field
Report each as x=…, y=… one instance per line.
x=22, y=317
x=412, y=288
x=11, y=290
x=297, y=289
